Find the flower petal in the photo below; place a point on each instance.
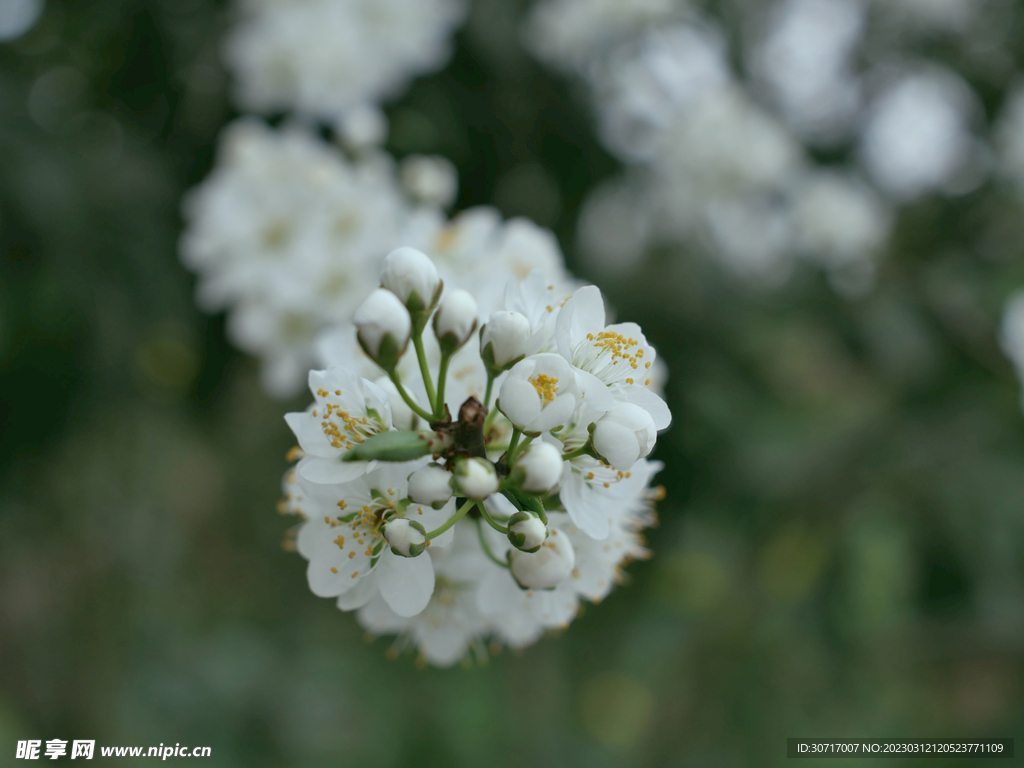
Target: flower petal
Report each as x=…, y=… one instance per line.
x=406, y=583
x=596, y=394
x=308, y=432
x=651, y=403
x=328, y=471
x=558, y=411
x=584, y=505
x=360, y=594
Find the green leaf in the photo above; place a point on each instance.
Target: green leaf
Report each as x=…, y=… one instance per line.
x=391, y=446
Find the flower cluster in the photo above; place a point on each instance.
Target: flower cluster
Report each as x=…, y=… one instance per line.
x=335, y=59
x=715, y=156
x=288, y=231
x=491, y=476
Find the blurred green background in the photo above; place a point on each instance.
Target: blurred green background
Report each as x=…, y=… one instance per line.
x=840, y=550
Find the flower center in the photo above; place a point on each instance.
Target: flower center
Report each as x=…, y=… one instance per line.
x=365, y=527
x=612, y=357
x=342, y=428
x=545, y=385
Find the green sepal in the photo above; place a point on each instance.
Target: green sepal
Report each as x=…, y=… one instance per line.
x=415, y=550
x=391, y=446
x=487, y=355
x=530, y=502
x=419, y=311
x=390, y=352
x=517, y=539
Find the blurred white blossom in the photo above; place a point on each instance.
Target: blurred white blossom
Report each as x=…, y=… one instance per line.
x=324, y=58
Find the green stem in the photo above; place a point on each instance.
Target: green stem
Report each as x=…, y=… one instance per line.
x=510, y=454
x=583, y=450
x=408, y=400
x=487, y=547
x=452, y=520
x=421, y=355
x=442, y=378
x=490, y=385
x=490, y=520
x=491, y=416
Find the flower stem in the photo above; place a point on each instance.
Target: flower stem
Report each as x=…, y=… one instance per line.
x=487, y=547
x=583, y=450
x=490, y=386
x=510, y=454
x=421, y=355
x=442, y=378
x=452, y=520
x=490, y=520
x=408, y=400
x=490, y=418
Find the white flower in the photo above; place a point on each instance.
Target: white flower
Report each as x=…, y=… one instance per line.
x=539, y=300
x=432, y=180
x=431, y=485
x=407, y=537
x=590, y=490
x=362, y=128
x=613, y=361
x=476, y=478
x=347, y=409
x=526, y=532
x=18, y=16
x=344, y=542
x=624, y=435
x=838, y=220
x=451, y=625
x=539, y=393
x=567, y=33
x=548, y=566
x=412, y=277
x=286, y=235
x=326, y=57
x=541, y=465
x=479, y=252
x=382, y=315
x=917, y=136
x=807, y=60
x=456, y=318
x=506, y=333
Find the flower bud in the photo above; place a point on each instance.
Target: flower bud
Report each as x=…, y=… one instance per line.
x=526, y=532
x=541, y=467
x=506, y=333
x=455, y=320
x=431, y=486
x=539, y=393
x=546, y=568
x=624, y=434
x=406, y=537
x=412, y=277
x=383, y=327
x=475, y=478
